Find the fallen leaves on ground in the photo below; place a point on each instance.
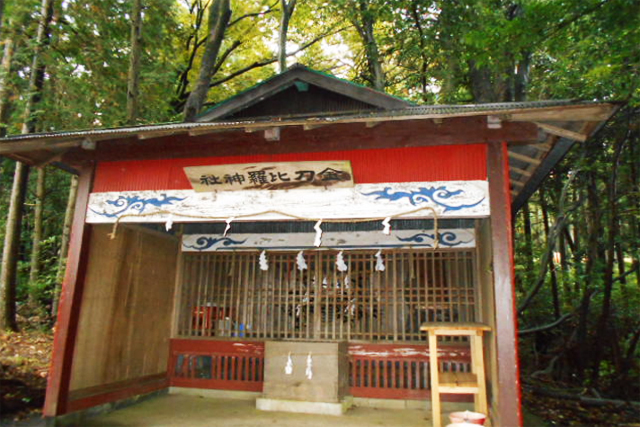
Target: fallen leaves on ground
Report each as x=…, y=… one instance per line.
x=24, y=365
x=572, y=413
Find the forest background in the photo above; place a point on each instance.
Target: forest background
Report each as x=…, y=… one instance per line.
x=77, y=64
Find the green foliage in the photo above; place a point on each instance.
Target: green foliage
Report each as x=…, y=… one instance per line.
x=432, y=52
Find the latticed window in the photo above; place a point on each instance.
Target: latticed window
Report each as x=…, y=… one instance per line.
x=226, y=294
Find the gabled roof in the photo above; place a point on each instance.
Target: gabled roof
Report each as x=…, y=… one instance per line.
x=301, y=91
x=319, y=112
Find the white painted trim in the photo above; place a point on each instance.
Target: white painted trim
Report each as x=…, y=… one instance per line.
x=450, y=199
x=451, y=238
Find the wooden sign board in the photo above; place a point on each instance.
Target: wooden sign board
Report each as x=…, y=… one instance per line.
x=271, y=176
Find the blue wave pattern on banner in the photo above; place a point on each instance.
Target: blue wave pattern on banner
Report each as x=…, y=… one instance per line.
x=137, y=204
x=203, y=243
x=447, y=238
x=437, y=195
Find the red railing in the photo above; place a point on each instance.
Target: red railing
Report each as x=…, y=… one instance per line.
x=383, y=371
x=225, y=365
x=399, y=371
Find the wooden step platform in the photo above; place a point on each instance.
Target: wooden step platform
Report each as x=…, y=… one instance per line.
x=457, y=382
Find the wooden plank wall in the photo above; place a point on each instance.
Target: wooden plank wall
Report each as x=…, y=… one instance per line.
x=487, y=310
x=125, y=319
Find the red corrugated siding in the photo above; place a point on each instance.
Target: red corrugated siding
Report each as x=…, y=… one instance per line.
x=437, y=163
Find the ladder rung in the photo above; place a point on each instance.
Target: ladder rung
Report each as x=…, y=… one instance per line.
x=458, y=382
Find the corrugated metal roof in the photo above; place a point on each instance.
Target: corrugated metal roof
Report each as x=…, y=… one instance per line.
x=408, y=113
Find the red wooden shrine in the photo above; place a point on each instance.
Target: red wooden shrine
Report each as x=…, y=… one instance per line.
x=157, y=294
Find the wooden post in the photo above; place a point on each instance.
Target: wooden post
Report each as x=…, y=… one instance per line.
x=435, y=379
x=508, y=396
x=70, y=301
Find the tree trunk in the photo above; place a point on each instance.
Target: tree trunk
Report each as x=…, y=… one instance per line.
x=287, y=12
x=552, y=267
x=36, y=78
x=219, y=16
x=5, y=72
x=634, y=178
x=1, y=12
x=424, y=59
x=34, y=273
x=602, y=333
x=528, y=245
x=521, y=78
x=8, y=274
x=483, y=88
x=18, y=191
x=593, y=231
x=364, y=21
x=64, y=243
x=133, y=80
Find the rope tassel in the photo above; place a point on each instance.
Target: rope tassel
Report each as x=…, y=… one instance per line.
x=309, y=371
x=302, y=264
x=318, y=241
x=228, y=227
x=340, y=264
x=170, y=217
x=379, y=262
x=264, y=263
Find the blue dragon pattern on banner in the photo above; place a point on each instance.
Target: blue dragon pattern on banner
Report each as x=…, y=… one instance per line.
x=446, y=238
x=137, y=204
x=204, y=243
x=437, y=195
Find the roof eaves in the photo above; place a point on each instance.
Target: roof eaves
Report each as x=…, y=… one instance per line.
x=418, y=112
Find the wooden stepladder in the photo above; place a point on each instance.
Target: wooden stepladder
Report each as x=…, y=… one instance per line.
x=473, y=382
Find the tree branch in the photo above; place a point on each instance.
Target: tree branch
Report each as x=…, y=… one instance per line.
x=262, y=63
x=253, y=14
x=547, y=326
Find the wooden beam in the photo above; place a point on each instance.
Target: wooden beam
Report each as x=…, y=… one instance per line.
x=589, y=113
x=70, y=301
x=272, y=134
x=520, y=171
x=518, y=156
x=54, y=157
x=89, y=144
x=311, y=127
x=565, y=133
x=160, y=134
x=517, y=183
x=338, y=137
x=198, y=132
x=508, y=396
x=545, y=146
x=494, y=122
x=37, y=144
x=250, y=129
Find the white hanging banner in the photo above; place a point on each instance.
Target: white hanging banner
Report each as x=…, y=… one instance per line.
x=421, y=238
x=450, y=199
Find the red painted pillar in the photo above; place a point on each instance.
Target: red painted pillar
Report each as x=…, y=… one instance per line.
x=508, y=398
x=70, y=301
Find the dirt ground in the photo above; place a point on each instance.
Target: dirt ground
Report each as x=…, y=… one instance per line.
x=24, y=363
